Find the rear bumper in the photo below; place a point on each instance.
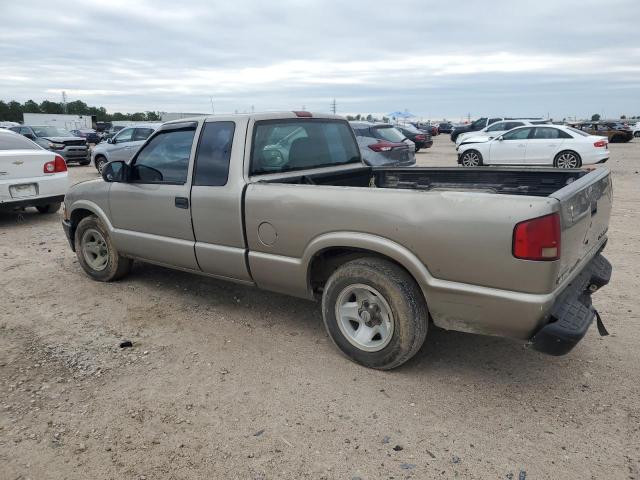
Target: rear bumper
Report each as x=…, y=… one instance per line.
x=31, y=202
x=572, y=313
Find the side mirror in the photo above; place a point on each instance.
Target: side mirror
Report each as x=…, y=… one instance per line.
x=114, y=171
x=500, y=138
x=30, y=136
x=111, y=140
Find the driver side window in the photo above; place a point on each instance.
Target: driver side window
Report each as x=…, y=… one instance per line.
x=165, y=159
x=520, y=134
x=124, y=135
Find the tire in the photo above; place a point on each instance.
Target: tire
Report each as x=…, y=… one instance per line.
x=417, y=149
x=386, y=295
x=471, y=158
x=637, y=134
x=105, y=266
x=100, y=162
x=567, y=159
x=49, y=208
x=84, y=162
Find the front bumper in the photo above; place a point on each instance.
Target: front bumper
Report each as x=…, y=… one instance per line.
x=572, y=313
x=74, y=154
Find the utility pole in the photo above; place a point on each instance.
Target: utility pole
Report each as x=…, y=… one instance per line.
x=64, y=101
x=212, y=110
x=334, y=106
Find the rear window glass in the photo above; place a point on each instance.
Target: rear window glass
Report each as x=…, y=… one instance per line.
x=293, y=144
x=389, y=133
x=16, y=142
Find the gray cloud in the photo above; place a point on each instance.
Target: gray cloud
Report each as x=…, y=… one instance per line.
x=500, y=57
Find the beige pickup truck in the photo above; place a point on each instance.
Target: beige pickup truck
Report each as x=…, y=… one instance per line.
x=283, y=202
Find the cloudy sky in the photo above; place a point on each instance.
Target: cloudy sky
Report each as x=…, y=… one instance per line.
x=436, y=59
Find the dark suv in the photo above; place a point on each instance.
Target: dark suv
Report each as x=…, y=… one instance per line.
x=58, y=140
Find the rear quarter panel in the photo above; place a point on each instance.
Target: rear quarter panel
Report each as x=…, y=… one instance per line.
x=459, y=236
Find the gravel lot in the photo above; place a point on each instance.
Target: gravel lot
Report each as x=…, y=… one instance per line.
x=225, y=381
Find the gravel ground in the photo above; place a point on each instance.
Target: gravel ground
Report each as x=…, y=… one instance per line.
x=225, y=381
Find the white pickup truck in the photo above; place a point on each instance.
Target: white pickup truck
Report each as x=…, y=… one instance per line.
x=509, y=252
x=30, y=176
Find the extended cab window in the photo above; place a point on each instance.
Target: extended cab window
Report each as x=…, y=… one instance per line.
x=165, y=159
x=296, y=144
x=213, y=154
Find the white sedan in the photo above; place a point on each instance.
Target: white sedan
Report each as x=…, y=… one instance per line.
x=30, y=176
x=549, y=145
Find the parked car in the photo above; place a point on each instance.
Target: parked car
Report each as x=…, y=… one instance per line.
x=474, y=126
x=383, y=144
x=421, y=138
x=123, y=145
x=30, y=176
x=90, y=135
x=615, y=132
x=111, y=131
x=552, y=145
x=492, y=131
x=385, y=249
x=9, y=124
x=445, y=127
x=58, y=140
x=636, y=129
x=428, y=127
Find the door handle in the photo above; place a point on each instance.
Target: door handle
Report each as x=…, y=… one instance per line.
x=182, y=202
x=522, y=145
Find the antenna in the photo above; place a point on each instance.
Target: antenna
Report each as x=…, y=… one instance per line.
x=212, y=109
x=334, y=106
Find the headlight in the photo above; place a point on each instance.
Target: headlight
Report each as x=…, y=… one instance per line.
x=56, y=146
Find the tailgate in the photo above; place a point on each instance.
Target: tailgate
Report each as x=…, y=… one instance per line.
x=585, y=207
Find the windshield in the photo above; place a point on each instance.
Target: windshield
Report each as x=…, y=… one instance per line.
x=481, y=122
x=16, y=142
x=411, y=129
x=51, y=132
x=298, y=144
x=388, y=133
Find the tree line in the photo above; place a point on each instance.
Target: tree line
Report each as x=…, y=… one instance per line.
x=12, y=111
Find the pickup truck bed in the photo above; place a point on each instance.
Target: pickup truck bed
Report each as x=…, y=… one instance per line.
x=286, y=204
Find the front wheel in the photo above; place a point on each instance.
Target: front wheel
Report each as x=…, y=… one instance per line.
x=96, y=252
x=375, y=313
x=100, y=163
x=567, y=160
x=471, y=158
x=49, y=208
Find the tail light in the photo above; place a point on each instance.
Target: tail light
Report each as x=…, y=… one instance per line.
x=421, y=138
x=538, y=238
x=384, y=146
x=57, y=165
x=600, y=143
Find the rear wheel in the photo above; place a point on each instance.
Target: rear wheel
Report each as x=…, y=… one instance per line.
x=637, y=134
x=97, y=253
x=49, y=208
x=471, y=158
x=100, y=163
x=567, y=160
x=375, y=313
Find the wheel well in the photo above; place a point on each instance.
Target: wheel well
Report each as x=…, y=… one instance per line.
x=327, y=261
x=76, y=216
